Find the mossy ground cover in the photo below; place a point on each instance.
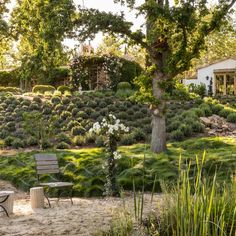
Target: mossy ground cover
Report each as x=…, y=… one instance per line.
x=85, y=166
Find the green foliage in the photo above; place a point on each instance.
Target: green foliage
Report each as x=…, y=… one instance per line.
x=124, y=86
x=43, y=88
x=41, y=26
x=83, y=166
x=13, y=90
x=198, y=89
x=63, y=88
x=231, y=117
x=118, y=69
x=185, y=214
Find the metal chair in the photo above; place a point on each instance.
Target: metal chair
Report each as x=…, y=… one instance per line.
x=48, y=164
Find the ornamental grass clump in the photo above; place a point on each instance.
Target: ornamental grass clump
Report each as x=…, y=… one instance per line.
x=112, y=130
x=199, y=205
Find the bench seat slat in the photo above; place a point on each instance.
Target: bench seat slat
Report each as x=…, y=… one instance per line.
x=45, y=163
x=48, y=167
x=51, y=171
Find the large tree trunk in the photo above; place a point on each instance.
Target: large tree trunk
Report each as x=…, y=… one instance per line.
x=158, y=142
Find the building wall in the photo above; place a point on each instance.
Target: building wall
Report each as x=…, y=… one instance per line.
x=202, y=73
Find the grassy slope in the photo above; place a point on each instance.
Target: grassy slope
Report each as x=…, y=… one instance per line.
x=85, y=166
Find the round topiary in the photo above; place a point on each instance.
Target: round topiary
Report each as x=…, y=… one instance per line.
x=224, y=113
x=43, y=88
x=62, y=137
x=177, y=135
x=124, y=86
x=62, y=145
x=65, y=100
x=74, y=111
x=127, y=139
x=31, y=141
x=95, y=115
x=231, y=117
x=8, y=140
x=17, y=143
x=139, y=135
x=186, y=130
x=55, y=100
x=122, y=115
x=63, y=88
x=197, y=127
x=79, y=140
x=72, y=124
x=37, y=99
x=78, y=130
x=65, y=115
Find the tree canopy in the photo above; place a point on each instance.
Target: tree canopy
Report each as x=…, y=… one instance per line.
x=41, y=26
x=175, y=34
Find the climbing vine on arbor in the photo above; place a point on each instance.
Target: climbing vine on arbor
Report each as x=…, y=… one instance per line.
x=115, y=68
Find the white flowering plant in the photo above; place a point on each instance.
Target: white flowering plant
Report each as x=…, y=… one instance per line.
x=112, y=129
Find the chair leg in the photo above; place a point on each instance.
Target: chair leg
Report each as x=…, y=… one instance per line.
x=46, y=196
x=71, y=196
x=58, y=196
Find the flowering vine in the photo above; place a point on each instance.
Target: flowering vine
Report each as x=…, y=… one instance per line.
x=112, y=129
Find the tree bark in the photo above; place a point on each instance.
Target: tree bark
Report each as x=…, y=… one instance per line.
x=158, y=141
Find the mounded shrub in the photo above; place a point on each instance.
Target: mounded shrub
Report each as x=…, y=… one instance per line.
x=17, y=143
x=231, y=118
x=186, y=129
x=124, y=86
x=62, y=137
x=139, y=135
x=13, y=90
x=62, y=145
x=177, y=135
x=79, y=140
x=65, y=100
x=216, y=108
x=225, y=112
x=197, y=127
x=37, y=99
x=72, y=124
x=78, y=130
x=43, y=88
x=55, y=100
x=127, y=139
x=63, y=88
x=65, y=115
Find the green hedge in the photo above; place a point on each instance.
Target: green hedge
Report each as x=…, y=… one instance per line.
x=13, y=90
x=43, y=88
x=9, y=78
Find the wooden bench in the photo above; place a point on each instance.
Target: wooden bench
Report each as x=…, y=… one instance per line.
x=48, y=164
x=3, y=199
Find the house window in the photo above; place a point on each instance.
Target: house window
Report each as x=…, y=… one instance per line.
x=230, y=84
x=219, y=84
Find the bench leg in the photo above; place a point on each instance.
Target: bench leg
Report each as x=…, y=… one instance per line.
x=4, y=209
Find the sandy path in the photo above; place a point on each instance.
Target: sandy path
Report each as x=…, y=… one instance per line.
x=86, y=217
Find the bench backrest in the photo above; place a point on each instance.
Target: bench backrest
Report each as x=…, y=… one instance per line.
x=46, y=164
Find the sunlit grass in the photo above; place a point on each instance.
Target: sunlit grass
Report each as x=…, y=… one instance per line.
x=85, y=166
